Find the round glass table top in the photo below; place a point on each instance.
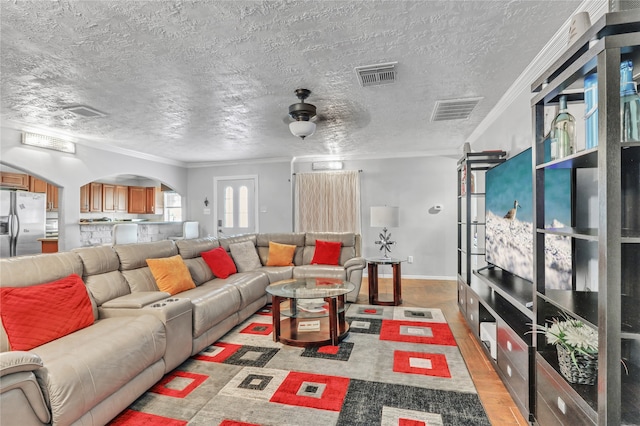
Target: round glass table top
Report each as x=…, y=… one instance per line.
x=310, y=288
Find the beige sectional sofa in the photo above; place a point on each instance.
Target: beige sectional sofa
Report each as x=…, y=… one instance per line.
x=140, y=333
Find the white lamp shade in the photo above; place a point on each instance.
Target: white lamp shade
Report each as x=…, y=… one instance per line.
x=385, y=217
x=302, y=129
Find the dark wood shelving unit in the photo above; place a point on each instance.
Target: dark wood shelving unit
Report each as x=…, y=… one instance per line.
x=517, y=291
x=611, y=303
x=493, y=301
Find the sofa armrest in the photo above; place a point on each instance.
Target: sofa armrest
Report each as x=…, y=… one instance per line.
x=136, y=300
x=16, y=361
x=19, y=389
x=355, y=263
x=174, y=312
x=353, y=269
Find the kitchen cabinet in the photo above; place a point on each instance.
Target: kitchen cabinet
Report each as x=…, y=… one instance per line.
x=95, y=197
x=150, y=205
x=122, y=198
x=91, y=197
x=15, y=180
x=114, y=198
x=137, y=199
x=84, y=198
x=42, y=186
x=37, y=185
x=52, y=198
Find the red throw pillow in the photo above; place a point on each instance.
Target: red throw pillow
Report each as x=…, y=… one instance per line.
x=326, y=253
x=220, y=262
x=35, y=315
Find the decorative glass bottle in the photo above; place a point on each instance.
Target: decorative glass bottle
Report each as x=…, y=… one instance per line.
x=629, y=104
x=563, y=132
x=591, y=110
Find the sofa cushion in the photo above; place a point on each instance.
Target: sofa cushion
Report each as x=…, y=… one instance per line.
x=290, y=238
x=101, y=273
x=134, y=256
x=324, y=271
x=140, y=279
x=326, y=253
x=280, y=254
x=79, y=372
x=171, y=274
x=278, y=273
x=219, y=262
x=245, y=256
x=38, y=314
x=191, y=248
x=350, y=245
x=212, y=303
x=200, y=271
x=225, y=242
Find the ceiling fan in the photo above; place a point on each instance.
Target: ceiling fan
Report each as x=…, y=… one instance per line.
x=302, y=114
x=340, y=116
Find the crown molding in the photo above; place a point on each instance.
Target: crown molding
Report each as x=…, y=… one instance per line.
x=549, y=53
x=239, y=162
x=452, y=152
x=90, y=143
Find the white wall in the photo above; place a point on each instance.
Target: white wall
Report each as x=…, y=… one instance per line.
x=274, y=194
x=71, y=171
x=414, y=185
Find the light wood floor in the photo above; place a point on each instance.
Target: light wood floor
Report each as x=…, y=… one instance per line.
x=443, y=295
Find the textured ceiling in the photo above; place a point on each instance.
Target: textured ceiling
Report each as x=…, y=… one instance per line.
x=199, y=81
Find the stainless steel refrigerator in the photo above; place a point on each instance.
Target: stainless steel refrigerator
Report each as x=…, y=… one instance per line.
x=22, y=222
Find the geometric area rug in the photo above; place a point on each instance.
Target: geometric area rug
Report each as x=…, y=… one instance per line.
x=397, y=366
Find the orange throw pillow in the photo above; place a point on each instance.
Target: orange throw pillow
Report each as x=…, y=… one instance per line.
x=280, y=254
x=38, y=314
x=171, y=274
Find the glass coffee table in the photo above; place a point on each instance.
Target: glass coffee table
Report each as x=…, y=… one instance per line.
x=309, y=311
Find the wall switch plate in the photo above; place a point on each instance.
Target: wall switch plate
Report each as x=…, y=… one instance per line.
x=206, y=211
x=410, y=259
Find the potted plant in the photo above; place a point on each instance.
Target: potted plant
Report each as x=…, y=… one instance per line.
x=577, y=346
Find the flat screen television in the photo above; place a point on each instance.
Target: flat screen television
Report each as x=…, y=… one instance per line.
x=509, y=220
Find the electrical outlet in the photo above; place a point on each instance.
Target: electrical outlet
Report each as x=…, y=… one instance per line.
x=410, y=259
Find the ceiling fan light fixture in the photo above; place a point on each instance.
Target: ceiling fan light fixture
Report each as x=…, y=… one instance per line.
x=302, y=113
x=302, y=129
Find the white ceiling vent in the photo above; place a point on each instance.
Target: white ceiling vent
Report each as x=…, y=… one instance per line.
x=454, y=109
x=85, y=111
x=376, y=75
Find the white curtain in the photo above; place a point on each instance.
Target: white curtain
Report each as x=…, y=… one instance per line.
x=327, y=201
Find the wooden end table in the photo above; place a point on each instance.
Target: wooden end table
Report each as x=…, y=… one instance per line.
x=373, y=280
x=309, y=311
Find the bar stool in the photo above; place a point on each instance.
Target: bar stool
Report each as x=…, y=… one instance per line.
x=190, y=229
x=124, y=233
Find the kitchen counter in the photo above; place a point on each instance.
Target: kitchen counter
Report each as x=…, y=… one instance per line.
x=49, y=245
x=99, y=232
x=139, y=222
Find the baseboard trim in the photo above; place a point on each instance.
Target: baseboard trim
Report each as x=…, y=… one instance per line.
x=417, y=277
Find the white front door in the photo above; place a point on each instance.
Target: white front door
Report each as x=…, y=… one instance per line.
x=236, y=205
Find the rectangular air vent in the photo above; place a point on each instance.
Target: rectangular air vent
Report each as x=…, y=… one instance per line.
x=376, y=75
x=85, y=111
x=454, y=109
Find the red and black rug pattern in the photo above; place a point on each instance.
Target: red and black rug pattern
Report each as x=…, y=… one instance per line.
x=398, y=366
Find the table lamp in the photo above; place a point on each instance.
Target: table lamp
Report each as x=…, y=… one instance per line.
x=385, y=217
